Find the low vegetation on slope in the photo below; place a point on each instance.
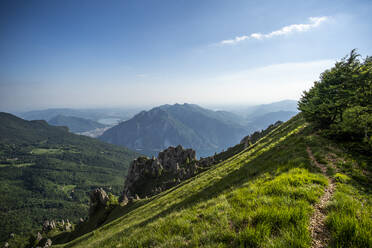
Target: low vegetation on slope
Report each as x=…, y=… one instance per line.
x=349, y=211
x=46, y=172
x=262, y=197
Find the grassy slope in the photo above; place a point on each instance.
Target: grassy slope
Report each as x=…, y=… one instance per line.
x=261, y=197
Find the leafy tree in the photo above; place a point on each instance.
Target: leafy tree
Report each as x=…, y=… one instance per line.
x=341, y=101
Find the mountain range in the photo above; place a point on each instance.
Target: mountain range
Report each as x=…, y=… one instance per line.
x=255, y=111
x=207, y=131
x=108, y=116
x=189, y=125
x=151, y=131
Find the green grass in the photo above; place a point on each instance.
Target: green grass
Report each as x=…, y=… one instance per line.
x=350, y=217
x=270, y=209
x=41, y=151
x=17, y=165
x=261, y=197
x=67, y=188
x=350, y=212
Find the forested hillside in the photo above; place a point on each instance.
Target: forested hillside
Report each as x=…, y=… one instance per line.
x=46, y=172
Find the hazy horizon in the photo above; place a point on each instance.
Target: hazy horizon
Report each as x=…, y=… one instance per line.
x=223, y=107
x=77, y=54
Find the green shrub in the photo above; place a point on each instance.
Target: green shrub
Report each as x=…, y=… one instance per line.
x=113, y=201
x=342, y=178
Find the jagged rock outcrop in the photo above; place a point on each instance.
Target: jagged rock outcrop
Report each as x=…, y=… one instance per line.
x=67, y=226
x=39, y=237
x=253, y=138
x=49, y=225
x=173, y=157
x=44, y=243
x=205, y=162
x=150, y=176
x=98, y=199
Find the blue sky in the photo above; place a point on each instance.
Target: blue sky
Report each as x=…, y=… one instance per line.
x=132, y=53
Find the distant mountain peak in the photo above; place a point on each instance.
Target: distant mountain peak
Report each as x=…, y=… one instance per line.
x=187, y=124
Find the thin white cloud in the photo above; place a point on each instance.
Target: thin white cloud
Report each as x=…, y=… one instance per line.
x=313, y=23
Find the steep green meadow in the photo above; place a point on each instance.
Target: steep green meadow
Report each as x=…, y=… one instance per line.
x=263, y=196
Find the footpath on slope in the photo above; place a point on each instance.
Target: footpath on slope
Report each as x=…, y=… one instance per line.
x=319, y=232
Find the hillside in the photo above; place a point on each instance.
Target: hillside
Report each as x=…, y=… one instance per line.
x=151, y=131
x=75, y=124
x=293, y=188
x=45, y=173
x=107, y=116
x=262, y=109
x=264, y=120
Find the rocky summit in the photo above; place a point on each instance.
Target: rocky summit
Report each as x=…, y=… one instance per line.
x=98, y=199
x=150, y=176
x=173, y=157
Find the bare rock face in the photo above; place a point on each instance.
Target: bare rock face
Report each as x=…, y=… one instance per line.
x=147, y=177
x=140, y=169
x=49, y=225
x=204, y=162
x=246, y=141
x=98, y=199
x=39, y=237
x=45, y=243
x=173, y=157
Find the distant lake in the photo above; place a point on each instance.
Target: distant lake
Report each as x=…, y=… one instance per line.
x=109, y=121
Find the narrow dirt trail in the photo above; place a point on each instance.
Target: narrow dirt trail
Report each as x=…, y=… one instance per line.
x=319, y=232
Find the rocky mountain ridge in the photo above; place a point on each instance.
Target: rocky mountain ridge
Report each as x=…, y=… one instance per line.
x=150, y=176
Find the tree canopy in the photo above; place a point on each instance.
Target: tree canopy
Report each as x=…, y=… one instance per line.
x=341, y=101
